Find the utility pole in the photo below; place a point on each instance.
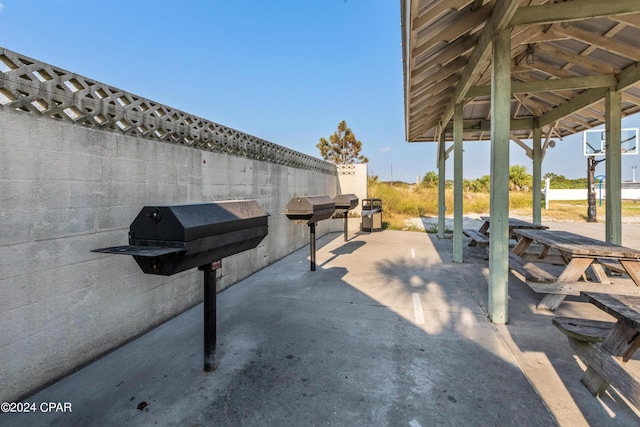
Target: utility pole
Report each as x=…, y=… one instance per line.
x=342, y=134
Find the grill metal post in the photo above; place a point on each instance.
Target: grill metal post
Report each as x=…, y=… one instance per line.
x=346, y=225
x=312, y=245
x=209, y=270
x=310, y=209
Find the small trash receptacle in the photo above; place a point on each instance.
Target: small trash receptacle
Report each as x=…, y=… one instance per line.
x=371, y=215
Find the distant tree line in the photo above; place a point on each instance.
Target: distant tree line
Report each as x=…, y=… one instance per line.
x=519, y=180
x=559, y=182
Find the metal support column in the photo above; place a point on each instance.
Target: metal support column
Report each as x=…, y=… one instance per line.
x=499, y=198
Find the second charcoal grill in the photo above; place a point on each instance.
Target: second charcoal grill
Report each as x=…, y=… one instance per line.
x=309, y=210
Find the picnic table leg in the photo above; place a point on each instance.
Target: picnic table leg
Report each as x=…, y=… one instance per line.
x=567, y=257
x=621, y=342
x=571, y=273
x=599, y=272
x=633, y=270
x=543, y=252
x=521, y=247
x=484, y=228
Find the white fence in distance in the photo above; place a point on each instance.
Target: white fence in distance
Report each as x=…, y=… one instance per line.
x=581, y=194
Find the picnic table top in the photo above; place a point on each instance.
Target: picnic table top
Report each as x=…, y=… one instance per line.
x=623, y=307
x=518, y=223
x=578, y=245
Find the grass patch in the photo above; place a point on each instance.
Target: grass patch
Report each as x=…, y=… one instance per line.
x=402, y=202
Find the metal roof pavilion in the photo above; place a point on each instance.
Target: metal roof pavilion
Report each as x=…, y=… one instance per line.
x=504, y=70
x=564, y=55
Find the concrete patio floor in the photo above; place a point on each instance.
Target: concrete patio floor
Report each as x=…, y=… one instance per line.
x=387, y=332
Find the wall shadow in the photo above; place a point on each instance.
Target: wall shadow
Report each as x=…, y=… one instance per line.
x=341, y=346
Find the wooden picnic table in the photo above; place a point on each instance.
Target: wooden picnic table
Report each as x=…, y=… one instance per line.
x=620, y=340
x=577, y=253
x=514, y=224
x=481, y=236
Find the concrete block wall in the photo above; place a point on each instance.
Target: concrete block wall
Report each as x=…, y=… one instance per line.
x=66, y=189
x=352, y=179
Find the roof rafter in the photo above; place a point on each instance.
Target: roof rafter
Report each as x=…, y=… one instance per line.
x=502, y=13
x=471, y=19
x=565, y=56
x=603, y=80
x=550, y=13
x=623, y=49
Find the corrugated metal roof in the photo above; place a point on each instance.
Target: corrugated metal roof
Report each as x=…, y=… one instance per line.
x=564, y=57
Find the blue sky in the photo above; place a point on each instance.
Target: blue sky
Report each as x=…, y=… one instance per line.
x=287, y=71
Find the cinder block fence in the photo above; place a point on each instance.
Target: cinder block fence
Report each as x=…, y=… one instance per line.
x=79, y=160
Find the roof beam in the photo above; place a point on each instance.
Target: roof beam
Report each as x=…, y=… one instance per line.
x=577, y=59
x=623, y=49
x=633, y=20
x=471, y=126
x=531, y=105
x=545, y=68
x=528, y=150
x=586, y=98
x=587, y=82
x=629, y=76
x=573, y=11
x=625, y=78
x=500, y=17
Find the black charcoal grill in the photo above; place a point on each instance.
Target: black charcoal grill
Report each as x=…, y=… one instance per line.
x=309, y=210
x=165, y=240
x=344, y=203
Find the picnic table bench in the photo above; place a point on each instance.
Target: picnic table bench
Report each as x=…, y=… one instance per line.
x=607, y=346
x=577, y=253
x=477, y=238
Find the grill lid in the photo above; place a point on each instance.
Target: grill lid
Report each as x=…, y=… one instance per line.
x=169, y=239
x=310, y=208
x=188, y=222
x=345, y=202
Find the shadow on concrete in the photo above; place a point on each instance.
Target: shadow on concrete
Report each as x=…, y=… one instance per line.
x=387, y=332
x=347, y=248
x=545, y=356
